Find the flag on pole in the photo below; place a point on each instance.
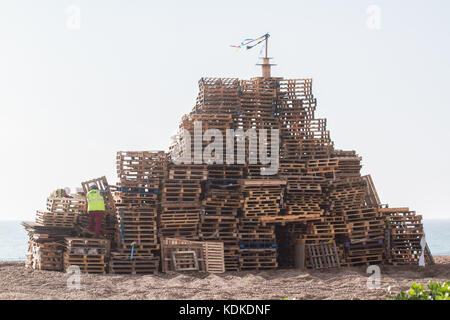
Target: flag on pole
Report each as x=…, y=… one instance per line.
x=246, y=43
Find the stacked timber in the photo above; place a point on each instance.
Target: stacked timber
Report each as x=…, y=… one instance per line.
x=262, y=199
x=124, y=263
x=217, y=185
x=64, y=212
x=46, y=235
x=405, y=231
x=217, y=103
x=303, y=137
x=45, y=246
x=218, y=95
x=366, y=234
x=304, y=194
x=89, y=255
x=221, y=206
x=137, y=205
x=45, y=256
x=180, y=201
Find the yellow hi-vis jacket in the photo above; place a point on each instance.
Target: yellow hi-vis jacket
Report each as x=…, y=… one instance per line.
x=95, y=201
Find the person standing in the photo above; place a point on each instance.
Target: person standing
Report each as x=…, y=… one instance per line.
x=96, y=209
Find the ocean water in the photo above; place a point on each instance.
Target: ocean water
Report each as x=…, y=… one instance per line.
x=437, y=234
x=14, y=239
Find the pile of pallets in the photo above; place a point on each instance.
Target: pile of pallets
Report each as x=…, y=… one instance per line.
x=124, y=263
x=180, y=201
x=303, y=136
x=63, y=212
x=349, y=164
x=46, y=236
x=258, y=249
x=258, y=101
x=316, y=196
x=45, y=256
x=218, y=95
x=222, y=228
x=405, y=231
x=325, y=198
x=137, y=204
x=366, y=234
x=63, y=219
x=222, y=203
x=87, y=254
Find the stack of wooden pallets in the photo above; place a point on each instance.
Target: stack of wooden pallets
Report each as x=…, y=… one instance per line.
x=262, y=199
x=349, y=164
x=64, y=212
x=122, y=262
x=405, y=233
x=46, y=235
x=303, y=137
x=89, y=255
x=316, y=195
x=222, y=204
x=63, y=219
x=217, y=103
x=258, y=104
x=180, y=201
x=138, y=206
x=222, y=228
x=218, y=95
x=45, y=256
x=366, y=233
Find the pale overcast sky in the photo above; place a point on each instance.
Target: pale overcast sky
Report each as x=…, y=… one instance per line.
x=70, y=98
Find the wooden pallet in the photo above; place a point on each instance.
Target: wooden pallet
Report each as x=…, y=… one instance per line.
x=45, y=256
x=122, y=264
x=90, y=255
x=74, y=205
x=258, y=259
x=62, y=219
x=188, y=172
x=212, y=253
x=323, y=255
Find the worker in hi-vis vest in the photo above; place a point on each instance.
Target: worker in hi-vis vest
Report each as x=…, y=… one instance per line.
x=61, y=193
x=96, y=209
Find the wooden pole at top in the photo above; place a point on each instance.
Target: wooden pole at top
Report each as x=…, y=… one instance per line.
x=267, y=42
x=266, y=65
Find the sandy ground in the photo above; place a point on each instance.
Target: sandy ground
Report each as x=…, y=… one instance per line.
x=18, y=282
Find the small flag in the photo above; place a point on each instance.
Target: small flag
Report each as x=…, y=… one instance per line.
x=246, y=43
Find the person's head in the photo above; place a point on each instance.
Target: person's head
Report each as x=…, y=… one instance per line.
x=93, y=187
